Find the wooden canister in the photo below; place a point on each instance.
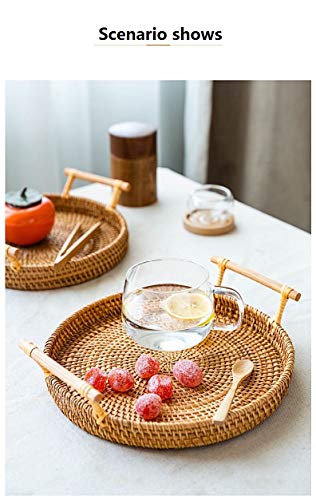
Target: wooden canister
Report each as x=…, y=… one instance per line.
x=134, y=160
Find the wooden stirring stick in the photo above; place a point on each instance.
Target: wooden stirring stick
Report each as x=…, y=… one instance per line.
x=70, y=251
x=241, y=369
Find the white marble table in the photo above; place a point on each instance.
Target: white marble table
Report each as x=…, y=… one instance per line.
x=48, y=455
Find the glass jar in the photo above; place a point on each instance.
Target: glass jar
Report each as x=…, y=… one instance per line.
x=210, y=210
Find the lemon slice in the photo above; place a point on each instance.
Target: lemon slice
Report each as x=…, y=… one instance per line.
x=188, y=306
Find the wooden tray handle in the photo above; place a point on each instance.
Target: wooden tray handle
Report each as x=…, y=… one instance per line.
x=117, y=185
x=285, y=291
x=12, y=253
x=51, y=367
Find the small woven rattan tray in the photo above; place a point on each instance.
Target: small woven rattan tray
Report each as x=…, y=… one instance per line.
x=95, y=336
x=33, y=267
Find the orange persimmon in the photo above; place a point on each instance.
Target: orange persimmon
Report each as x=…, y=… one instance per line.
x=26, y=226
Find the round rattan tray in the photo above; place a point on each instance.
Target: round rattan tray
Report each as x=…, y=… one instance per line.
x=102, y=252
x=95, y=336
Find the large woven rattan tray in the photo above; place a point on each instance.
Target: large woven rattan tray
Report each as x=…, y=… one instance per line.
x=95, y=336
x=34, y=269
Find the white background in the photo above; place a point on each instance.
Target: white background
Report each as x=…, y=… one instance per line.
x=55, y=40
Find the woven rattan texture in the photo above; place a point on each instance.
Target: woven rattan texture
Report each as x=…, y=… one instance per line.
x=106, y=249
x=95, y=336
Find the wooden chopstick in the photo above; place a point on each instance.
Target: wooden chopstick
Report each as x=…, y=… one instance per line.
x=67, y=254
x=69, y=241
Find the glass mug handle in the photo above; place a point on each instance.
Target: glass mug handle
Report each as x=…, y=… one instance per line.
x=229, y=292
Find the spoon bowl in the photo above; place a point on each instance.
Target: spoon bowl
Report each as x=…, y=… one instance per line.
x=242, y=368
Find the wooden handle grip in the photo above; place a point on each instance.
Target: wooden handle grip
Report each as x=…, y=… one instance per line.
x=87, y=176
x=116, y=184
x=253, y=275
x=285, y=291
x=59, y=371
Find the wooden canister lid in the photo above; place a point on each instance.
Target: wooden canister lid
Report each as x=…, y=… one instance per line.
x=133, y=140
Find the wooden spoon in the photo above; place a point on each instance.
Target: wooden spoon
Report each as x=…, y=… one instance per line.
x=241, y=369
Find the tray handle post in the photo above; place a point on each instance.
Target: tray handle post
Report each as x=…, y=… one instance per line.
x=12, y=254
x=117, y=185
x=51, y=367
x=285, y=291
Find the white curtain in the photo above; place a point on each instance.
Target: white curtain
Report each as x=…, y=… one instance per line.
x=197, y=122
x=54, y=124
